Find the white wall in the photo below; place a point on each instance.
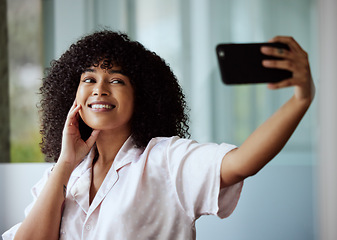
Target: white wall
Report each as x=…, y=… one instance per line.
x=16, y=180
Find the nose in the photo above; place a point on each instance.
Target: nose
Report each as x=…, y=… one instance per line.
x=100, y=90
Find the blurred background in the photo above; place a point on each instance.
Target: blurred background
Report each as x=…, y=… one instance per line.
x=281, y=201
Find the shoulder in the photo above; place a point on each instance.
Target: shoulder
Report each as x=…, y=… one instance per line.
x=160, y=149
x=167, y=143
x=183, y=145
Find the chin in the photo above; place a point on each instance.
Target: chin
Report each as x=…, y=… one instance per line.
x=96, y=126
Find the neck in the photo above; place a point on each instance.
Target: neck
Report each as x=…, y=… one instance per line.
x=108, y=144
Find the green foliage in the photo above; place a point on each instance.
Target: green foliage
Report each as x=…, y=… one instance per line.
x=27, y=150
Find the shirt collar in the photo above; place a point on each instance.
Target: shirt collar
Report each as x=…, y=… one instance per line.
x=126, y=154
x=128, y=149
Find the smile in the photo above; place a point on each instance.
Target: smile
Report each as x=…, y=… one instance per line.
x=98, y=106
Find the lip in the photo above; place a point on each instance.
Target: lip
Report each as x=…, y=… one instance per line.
x=101, y=106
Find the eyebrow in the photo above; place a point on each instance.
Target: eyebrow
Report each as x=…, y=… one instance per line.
x=111, y=71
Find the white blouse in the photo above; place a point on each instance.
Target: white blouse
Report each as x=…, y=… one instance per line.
x=156, y=193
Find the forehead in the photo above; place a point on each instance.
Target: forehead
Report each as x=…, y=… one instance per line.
x=106, y=65
x=113, y=70
x=102, y=62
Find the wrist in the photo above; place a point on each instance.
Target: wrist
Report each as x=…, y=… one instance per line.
x=64, y=168
x=300, y=104
x=305, y=95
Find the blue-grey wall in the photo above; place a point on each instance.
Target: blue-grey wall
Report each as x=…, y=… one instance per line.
x=278, y=203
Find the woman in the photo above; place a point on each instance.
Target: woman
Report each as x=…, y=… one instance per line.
x=124, y=169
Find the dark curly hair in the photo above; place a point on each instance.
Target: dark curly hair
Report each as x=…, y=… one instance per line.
x=159, y=108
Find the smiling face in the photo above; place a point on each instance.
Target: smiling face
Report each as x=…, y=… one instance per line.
x=107, y=99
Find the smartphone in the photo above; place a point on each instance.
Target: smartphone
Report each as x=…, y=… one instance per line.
x=242, y=64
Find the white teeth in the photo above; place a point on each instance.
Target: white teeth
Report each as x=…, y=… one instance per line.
x=101, y=106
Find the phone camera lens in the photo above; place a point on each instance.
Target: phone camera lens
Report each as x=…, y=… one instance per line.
x=221, y=54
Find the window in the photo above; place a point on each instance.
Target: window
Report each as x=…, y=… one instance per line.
x=25, y=73
x=185, y=35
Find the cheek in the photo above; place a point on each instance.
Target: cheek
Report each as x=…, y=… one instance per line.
x=80, y=99
x=80, y=113
x=82, y=95
x=79, y=95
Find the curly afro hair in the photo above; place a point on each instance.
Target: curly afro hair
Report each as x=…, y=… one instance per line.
x=159, y=108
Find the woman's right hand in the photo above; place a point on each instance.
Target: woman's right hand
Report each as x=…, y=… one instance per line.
x=74, y=148
x=43, y=221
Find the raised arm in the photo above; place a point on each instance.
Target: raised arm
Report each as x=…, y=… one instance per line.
x=268, y=139
x=43, y=221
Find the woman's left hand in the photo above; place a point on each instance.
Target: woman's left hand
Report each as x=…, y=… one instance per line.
x=271, y=136
x=295, y=60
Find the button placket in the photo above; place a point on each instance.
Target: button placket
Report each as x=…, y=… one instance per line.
x=88, y=227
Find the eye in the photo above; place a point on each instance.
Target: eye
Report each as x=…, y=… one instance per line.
x=89, y=80
x=117, y=81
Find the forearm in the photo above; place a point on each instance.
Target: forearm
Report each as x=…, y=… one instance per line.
x=264, y=143
x=268, y=140
x=43, y=221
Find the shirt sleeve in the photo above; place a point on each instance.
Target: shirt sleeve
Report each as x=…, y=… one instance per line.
x=195, y=173
x=35, y=191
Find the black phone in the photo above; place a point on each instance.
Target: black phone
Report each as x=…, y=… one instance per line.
x=242, y=63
